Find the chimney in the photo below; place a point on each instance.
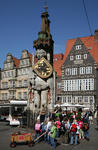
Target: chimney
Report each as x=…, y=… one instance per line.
x=96, y=35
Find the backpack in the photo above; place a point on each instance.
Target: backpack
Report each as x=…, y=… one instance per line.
x=85, y=126
x=37, y=127
x=74, y=128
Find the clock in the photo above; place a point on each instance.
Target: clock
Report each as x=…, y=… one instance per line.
x=43, y=68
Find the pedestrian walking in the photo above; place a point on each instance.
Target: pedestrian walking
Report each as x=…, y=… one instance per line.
x=53, y=135
x=73, y=132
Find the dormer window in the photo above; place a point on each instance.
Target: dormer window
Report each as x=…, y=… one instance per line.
x=71, y=58
x=78, y=47
x=85, y=56
x=78, y=57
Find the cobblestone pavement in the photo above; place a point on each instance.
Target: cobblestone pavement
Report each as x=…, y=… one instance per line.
x=5, y=132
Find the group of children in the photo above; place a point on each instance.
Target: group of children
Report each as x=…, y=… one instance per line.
x=70, y=127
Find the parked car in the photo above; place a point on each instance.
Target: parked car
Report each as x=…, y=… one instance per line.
x=14, y=122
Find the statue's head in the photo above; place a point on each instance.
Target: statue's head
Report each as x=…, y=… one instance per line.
x=40, y=53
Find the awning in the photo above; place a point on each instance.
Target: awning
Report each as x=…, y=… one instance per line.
x=72, y=105
x=18, y=102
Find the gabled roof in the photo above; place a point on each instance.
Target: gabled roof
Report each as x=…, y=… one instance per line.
x=90, y=44
x=57, y=66
x=58, y=56
x=30, y=55
x=57, y=63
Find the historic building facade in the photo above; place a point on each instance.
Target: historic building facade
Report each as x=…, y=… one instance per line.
x=8, y=79
x=79, y=73
x=15, y=79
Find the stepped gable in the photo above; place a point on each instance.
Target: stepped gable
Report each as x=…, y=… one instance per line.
x=89, y=42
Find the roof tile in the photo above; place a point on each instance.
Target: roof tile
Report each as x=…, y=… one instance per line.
x=90, y=44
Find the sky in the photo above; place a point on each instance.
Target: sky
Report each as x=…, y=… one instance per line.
x=20, y=22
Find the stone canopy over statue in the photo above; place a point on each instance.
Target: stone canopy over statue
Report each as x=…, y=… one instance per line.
x=43, y=80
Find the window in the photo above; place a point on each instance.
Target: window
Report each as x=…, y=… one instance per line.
x=85, y=56
x=78, y=57
x=79, y=99
x=5, y=75
x=4, y=85
x=25, y=95
x=91, y=100
x=86, y=99
x=74, y=100
x=22, y=62
x=69, y=99
x=74, y=71
x=6, y=96
x=59, y=98
x=91, y=84
x=59, y=85
x=78, y=47
x=25, y=83
x=71, y=57
x=27, y=62
x=20, y=72
x=11, y=73
x=20, y=83
x=19, y=95
x=68, y=71
x=79, y=85
x=89, y=70
x=8, y=74
x=64, y=99
x=24, y=71
x=82, y=70
x=3, y=96
x=11, y=94
x=12, y=84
